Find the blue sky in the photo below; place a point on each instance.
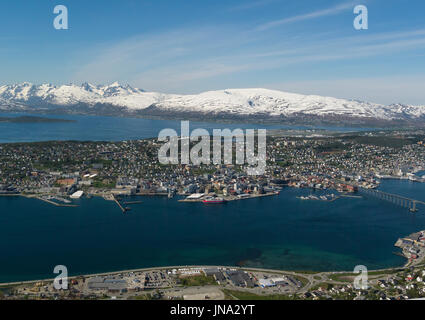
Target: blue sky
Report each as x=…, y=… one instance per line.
x=189, y=46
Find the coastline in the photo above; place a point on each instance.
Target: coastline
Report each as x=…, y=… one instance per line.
x=112, y=273
x=409, y=263
x=406, y=265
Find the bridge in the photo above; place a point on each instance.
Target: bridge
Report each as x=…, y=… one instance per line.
x=404, y=202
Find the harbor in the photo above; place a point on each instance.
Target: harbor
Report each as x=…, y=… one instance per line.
x=272, y=233
x=50, y=200
x=209, y=198
x=412, y=248
x=329, y=197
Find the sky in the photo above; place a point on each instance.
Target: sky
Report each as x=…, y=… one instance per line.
x=191, y=46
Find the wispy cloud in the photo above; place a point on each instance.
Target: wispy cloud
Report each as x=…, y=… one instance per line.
x=348, y=47
x=307, y=16
x=171, y=57
x=187, y=61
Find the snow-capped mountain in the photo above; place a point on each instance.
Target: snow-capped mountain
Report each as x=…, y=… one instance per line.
x=69, y=95
x=230, y=104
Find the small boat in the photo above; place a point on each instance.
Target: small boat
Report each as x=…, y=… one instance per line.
x=213, y=200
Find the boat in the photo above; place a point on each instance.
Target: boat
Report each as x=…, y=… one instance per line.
x=213, y=200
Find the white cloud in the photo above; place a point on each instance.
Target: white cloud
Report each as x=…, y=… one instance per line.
x=307, y=16
x=189, y=61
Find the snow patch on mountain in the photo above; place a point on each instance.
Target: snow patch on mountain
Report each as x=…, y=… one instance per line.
x=274, y=103
x=241, y=102
x=68, y=95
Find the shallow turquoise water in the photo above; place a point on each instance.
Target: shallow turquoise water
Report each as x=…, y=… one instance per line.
x=274, y=232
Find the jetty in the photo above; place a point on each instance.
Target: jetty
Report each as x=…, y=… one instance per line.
x=124, y=210
x=57, y=204
x=133, y=202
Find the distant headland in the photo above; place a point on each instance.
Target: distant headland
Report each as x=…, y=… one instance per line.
x=32, y=119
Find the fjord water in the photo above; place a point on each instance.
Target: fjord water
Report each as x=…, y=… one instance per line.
x=279, y=232
x=96, y=128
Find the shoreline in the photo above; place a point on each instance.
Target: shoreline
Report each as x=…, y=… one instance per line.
x=406, y=265
x=112, y=273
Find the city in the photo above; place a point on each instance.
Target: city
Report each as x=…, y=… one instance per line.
x=60, y=172
x=212, y=159
x=343, y=163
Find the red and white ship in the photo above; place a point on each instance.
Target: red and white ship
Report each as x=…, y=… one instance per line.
x=211, y=200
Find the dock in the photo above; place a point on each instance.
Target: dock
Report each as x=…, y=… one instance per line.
x=57, y=204
x=133, y=202
x=412, y=248
x=332, y=199
x=235, y=198
x=124, y=210
x=152, y=194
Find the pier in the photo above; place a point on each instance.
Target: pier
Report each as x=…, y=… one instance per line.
x=152, y=194
x=235, y=198
x=57, y=204
x=124, y=210
x=132, y=202
x=404, y=202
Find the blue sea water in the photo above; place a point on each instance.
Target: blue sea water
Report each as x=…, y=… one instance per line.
x=280, y=232
x=95, y=128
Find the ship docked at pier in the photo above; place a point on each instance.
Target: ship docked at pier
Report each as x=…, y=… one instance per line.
x=213, y=200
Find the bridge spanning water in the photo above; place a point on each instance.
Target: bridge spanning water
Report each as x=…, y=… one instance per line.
x=404, y=202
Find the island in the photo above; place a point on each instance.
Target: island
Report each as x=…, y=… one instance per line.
x=32, y=119
x=351, y=164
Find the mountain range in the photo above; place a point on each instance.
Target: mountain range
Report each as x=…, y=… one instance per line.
x=248, y=105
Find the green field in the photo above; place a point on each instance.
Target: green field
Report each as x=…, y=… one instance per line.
x=198, y=281
x=232, y=294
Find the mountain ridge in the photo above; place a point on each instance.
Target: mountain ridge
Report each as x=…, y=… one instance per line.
x=253, y=104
